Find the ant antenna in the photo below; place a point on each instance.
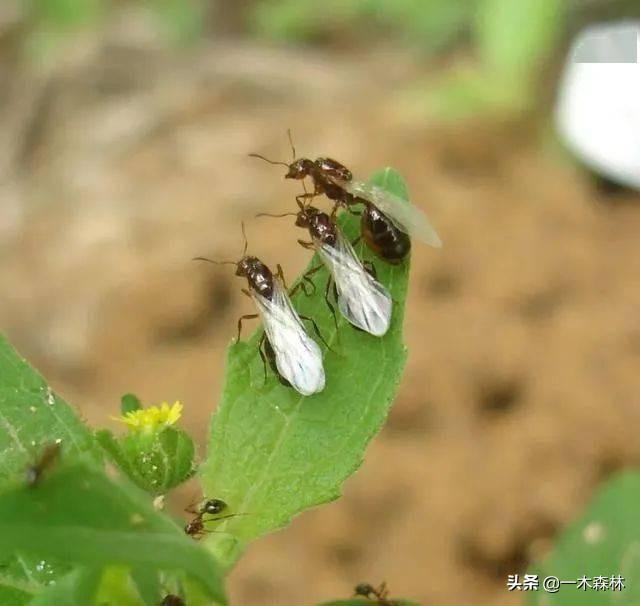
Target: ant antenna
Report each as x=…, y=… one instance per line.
x=267, y=160
x=214, y=262
x=246, y=242
x=293, y=147
x=293, y=151
x=277, y=216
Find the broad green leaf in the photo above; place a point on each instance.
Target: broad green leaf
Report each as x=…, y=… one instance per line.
x=75, y=589
x=31, y=416
x=273, y=453
x=23, y=576
x=513, y=37
x=147, y=583
x=605, y=541
x=79, y=515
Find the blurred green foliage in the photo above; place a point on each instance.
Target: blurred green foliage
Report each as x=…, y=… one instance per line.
x=509, y=42
x=431, y=24
x=180, y=20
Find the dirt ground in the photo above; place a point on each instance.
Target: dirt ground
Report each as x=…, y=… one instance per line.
x=520, y=397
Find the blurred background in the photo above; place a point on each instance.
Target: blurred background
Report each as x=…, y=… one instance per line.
x=124, y=133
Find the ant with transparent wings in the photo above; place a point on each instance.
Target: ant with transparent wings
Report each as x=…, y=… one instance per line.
x=386, y=221
x=361, y=299
x=295, y=358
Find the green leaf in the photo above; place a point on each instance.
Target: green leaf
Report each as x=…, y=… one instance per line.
x=513, y=37
x=273, y=453
x=148, y=584
x=605, y=541
x=31, y=416
x=75, y=589
x=79, y=515
x=23, y=576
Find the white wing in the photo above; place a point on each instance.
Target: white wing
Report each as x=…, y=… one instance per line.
x=298, y=357
x=361, y=298
x=405, y=216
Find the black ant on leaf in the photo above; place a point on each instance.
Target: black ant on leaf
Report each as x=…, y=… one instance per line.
x=379, y=595
x=195, y=528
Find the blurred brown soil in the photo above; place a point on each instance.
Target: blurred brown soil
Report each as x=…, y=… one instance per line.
x=521, y=392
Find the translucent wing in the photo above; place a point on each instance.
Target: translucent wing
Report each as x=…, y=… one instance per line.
x=298, y=357
x=405, y=216
x=361, y=298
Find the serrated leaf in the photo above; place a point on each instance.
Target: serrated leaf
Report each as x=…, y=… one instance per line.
x=79, y=515
x=272, y=453
x=605, y=541
x=31, y=416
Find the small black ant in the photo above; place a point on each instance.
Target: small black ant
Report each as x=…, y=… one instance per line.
x=195, y=528
x=46, y=460
x=377, y=594
x=172, y=600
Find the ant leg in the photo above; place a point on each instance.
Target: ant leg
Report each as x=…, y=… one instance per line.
x=263, y=357
x=306, y=278
x=370, y=268
x=309, y=282
x=307, y=245
x=280, y=275
x=331, y=307
x=317, y=331
x=356, y=213
x=356, y=241
x=246, y=292
x=305, y=196
x=245, y=317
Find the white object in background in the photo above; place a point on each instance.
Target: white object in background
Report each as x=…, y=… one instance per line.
x=598, y=110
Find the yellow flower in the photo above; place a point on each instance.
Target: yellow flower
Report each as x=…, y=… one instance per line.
x=153, y=418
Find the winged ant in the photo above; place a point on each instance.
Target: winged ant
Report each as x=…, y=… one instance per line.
x=386, y=220
x=291, y=353
x=361, y=299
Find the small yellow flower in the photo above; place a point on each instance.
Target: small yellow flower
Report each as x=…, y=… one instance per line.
x=153, y=418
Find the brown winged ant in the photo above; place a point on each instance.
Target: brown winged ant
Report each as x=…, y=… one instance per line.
x=291, y=353
x=386, y=220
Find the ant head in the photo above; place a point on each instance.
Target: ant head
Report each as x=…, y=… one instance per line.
x=193, y=527
x=299, y=169
x=214, y=506
x=244, y=268
x=305, y=215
